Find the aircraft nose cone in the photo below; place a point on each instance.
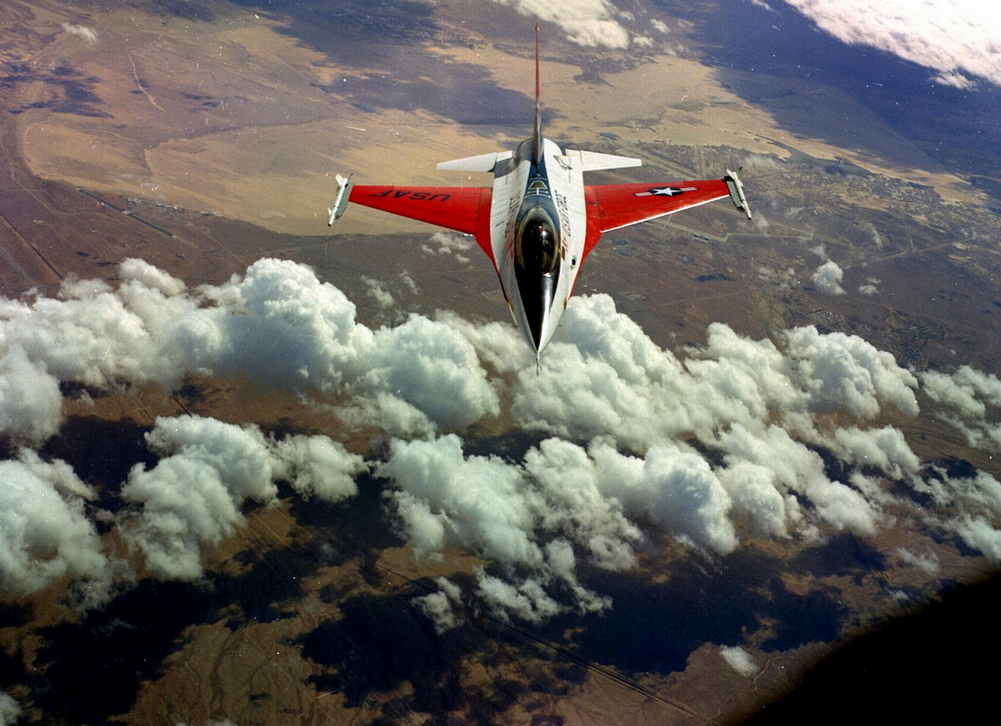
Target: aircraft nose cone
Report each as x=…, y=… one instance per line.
x=537, y=302
x=536, y=324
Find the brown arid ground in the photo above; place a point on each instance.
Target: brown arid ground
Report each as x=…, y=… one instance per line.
x=204, y=146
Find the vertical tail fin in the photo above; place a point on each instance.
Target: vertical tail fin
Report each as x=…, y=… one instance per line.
x=537, y=135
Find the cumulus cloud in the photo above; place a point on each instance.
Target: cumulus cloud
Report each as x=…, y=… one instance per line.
x=535, y=518
x=45, y=533
x=958, y=40
x=846, y=372
x=449, y=243
x=715, y=444
x=479, y=502
x=588, y=23
x=278, y=324
x=758, y=403
x=885, y=448
x=188, y=502
x=970, y=400
x=980, y=534
x=799, y=470
x=827, y=278
x=677, y=489
x=563, y=504
x=10, y=709
x=317, y=467
x=31, y=405
x=440, y=606
x=209, y=470
x=81, y=31
x=604, y=376
x=527, y=600
x=739, y=659
x=431, y=367
x=869, y=286
x=193, y=497
x=378, y=292
x=928, y=562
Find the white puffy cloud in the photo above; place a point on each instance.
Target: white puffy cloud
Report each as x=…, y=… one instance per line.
x=675, y=488
x=980, y=534
x=828, y=277
x=603, y=376
x=449, y=243
x=758, y=404
x=279, y=325
x=194, y=496
x=45, y=533
x=755, y=498
x=91, y=335
x=440, y=606
x=585, y=22
x=739, y=659
x=846, y=372
x=317, y=467
x=189, y=501
x=957, y=39
x=498, y=345
x=527, y=600
x=431, y=367
x=378, y=292
x=798, y=469
x=505, y=512
x=869, y=288
x=81, y=31
x=290, y=329
x=885, y=449
x=10, y=709
x=971, y=399
x=481, y=503
x=928, y=561
x=31, y=405
x=577, y=505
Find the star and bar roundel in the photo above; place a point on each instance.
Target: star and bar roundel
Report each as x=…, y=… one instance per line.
x=665, y=191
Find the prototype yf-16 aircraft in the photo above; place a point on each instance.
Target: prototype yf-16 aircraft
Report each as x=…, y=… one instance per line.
x=539, y=220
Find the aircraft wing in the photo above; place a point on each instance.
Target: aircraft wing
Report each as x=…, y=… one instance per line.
x=614, y=206
x=463, y=209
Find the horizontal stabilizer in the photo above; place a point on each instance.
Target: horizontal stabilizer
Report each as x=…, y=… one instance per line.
x=593, y=161
x=483, y=162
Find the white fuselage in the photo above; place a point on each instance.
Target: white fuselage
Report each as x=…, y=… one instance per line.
x=553, y=190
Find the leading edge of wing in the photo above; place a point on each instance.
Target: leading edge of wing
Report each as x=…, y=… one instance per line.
x=620, y=205
x=463, y=209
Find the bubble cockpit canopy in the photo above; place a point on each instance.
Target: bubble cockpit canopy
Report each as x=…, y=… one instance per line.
x=538, y=243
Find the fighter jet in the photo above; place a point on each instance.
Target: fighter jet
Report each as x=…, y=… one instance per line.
x=539, y=220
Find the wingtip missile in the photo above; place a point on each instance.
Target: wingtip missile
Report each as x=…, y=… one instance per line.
x=344, y=185
x=736, y=189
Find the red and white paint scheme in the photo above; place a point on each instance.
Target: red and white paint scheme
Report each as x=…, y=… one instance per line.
x=539, y=220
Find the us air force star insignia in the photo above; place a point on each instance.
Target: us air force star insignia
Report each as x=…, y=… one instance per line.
x=665, y=191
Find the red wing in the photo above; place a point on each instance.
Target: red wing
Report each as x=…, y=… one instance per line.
x=619, y=205
x=464, y=209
